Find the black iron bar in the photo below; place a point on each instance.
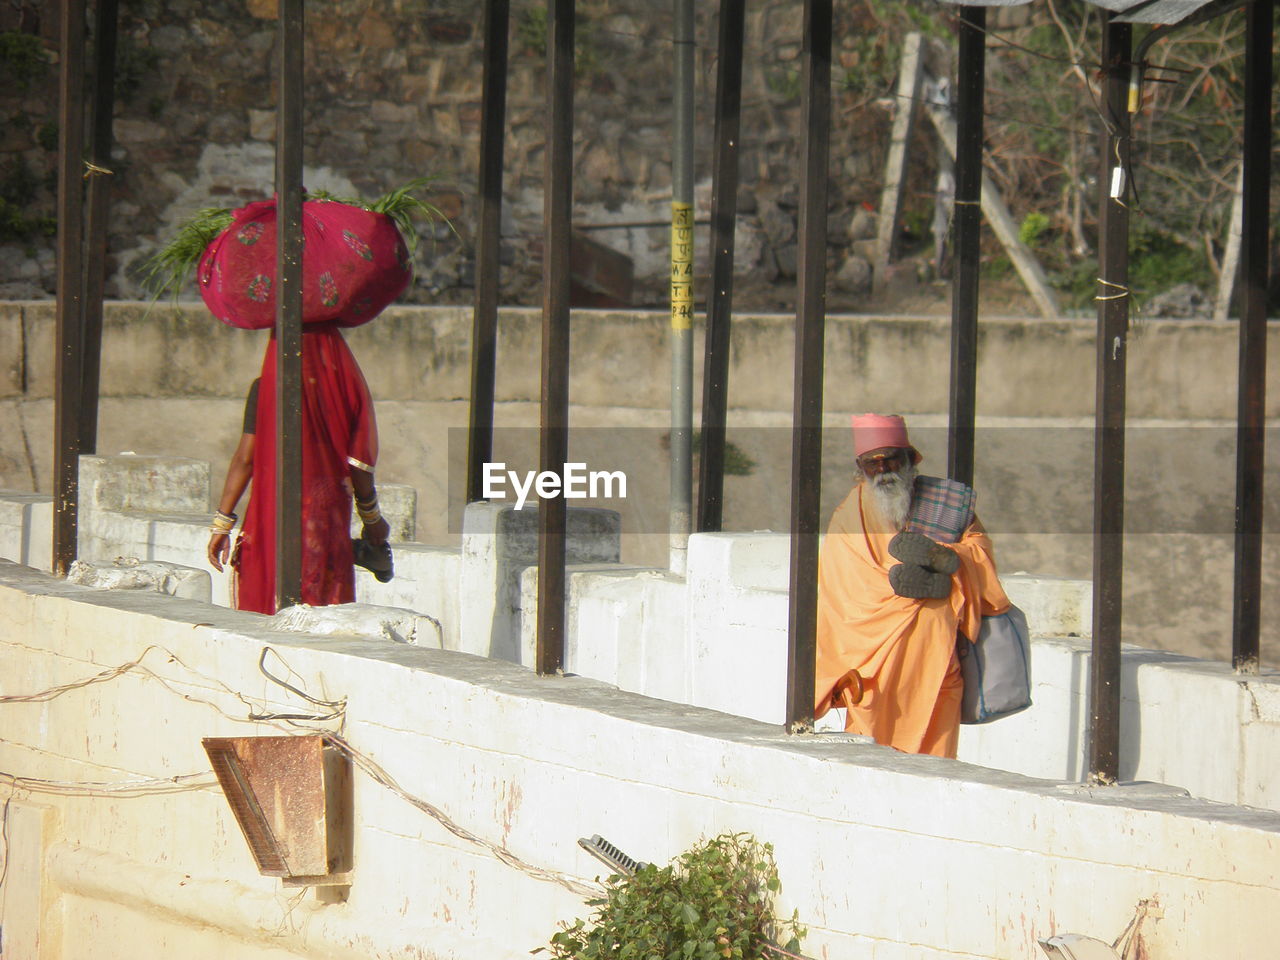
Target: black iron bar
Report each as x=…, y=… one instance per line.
x=971, y=76
x=69, y=331
x=1251, y=416
x=811, y=297
x=1109, y=441
x=484, y=321
x=100, y=175
x=288, y=330
x=724, y=214
x=554, y=440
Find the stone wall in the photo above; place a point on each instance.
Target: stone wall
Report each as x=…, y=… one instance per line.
x=394, y=92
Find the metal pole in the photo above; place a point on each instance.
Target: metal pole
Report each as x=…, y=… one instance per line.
x=1109, y=446
x=554, y=445
x=724, y=212
x=811, y=296
x=289, y=307
x=1251, y=417
x=971, y=76
x=484, y=322
x=68, y=370
x=104, y=60
x=682, y=289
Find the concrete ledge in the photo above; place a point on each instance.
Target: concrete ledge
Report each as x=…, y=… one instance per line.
x=130, y=483
x=26, y=528
x=1055, y=606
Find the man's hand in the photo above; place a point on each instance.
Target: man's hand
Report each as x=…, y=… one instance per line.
x=377, y=532
x=218, y=550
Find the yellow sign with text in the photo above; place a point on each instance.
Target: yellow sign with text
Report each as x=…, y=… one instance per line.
x=681, y=266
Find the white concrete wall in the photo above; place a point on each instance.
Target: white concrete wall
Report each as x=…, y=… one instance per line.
x=884, y=856
x=718, y=639
x=723, y=641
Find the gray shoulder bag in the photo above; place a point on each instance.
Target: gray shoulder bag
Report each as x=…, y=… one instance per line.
x=996, y=669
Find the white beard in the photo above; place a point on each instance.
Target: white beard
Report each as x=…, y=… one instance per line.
x=890, y=495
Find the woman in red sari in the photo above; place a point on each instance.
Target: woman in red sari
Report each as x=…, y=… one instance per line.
x=339, y=450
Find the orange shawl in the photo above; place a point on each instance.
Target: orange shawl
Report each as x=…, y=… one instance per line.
x=903, y=649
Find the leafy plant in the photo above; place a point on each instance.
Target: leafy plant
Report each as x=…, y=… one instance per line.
x=1159, y=261
x=133, y=63
x=22, y=58
x=1033, y=226
x=714, y=903
x=874, y=69
x=784, y=83
x=18, y=185
x=736, y=461
x=531, y=31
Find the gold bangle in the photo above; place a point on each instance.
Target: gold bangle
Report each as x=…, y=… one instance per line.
x=222, y=522
x=371, y=516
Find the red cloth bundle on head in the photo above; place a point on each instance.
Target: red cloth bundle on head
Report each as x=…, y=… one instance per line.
x=354, y=264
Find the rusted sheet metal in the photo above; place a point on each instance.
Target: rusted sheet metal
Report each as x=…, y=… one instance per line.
x=276, y=788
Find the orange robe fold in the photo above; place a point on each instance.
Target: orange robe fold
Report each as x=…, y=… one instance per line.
x=903, y=649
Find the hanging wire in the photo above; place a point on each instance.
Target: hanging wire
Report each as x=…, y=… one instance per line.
x=147, y=786
x=335, y=710
x=336, y=707
x=383, y=778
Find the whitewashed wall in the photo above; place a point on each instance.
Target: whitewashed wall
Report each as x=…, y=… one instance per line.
x=885, y=856
x=717, y=638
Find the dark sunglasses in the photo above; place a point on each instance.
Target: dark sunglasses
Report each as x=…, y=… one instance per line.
x=893, y=460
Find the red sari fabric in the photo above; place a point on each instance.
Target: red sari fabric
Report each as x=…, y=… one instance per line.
x=338, y=431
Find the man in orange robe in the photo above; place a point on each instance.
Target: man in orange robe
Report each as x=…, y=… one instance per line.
x=887, y=637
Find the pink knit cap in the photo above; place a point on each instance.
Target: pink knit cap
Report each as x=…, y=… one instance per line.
x=871, y=431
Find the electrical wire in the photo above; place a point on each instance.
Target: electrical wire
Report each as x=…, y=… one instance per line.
x=383, y=778
x=137, y=666
x=335, y=710
x=148, y=786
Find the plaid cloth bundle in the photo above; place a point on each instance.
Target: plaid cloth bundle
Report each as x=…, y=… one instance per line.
x=941, y=509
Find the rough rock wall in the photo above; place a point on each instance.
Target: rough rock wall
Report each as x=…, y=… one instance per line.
x=394, y=91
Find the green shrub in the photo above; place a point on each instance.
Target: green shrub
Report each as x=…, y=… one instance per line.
x=1033, y=226
x=714, y=903
x=22, y=59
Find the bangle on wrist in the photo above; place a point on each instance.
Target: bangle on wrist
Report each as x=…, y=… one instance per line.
x=222, y=522
x=368, y=510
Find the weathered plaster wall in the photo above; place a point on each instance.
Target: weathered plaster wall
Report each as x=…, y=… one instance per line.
x=872, y=846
